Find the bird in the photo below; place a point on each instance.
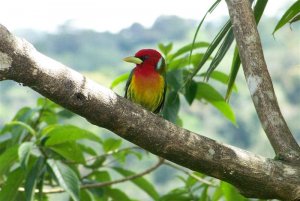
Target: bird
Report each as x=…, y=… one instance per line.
x=146, y=84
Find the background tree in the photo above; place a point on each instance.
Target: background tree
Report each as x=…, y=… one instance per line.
x=50, y=154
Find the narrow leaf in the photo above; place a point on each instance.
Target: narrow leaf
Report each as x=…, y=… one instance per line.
x=66, y=178
x=201, y=22
x=119, y=80
x=140, y=182
x=212, y=47
x=31, y=179
x=220, y=53
x=165, y=49
x=235, y=66
x=188, y=48
x=288, y=16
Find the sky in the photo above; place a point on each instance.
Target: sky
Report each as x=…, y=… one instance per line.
x=109, y=15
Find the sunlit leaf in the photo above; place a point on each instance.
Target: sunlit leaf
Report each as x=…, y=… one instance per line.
x=70, y=151
x=230, y=193
x=221, y=77
x=119, y=80
x=66, y=178
x=59, y=134
x=165, y=49
x=288, y=16
x=24, y=153
x=111, y=144
x=211, y=95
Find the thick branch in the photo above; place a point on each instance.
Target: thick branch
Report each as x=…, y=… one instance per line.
x=253, y=175
x=259, y=81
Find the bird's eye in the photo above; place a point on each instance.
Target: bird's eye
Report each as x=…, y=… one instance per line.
x=143, y=58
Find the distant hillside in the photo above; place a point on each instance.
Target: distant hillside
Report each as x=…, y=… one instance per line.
x=88, y=50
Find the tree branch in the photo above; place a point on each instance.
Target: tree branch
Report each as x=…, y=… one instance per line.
x=253, y=175
x=259, y=81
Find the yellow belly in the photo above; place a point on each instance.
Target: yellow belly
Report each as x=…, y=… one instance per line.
x=147, y=91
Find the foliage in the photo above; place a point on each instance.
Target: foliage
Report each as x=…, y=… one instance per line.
x=40, y=155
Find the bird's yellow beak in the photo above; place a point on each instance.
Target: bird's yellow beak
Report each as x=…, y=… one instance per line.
x=133, y=59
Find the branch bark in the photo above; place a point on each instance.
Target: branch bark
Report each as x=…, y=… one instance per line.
x=253, y=175
x=259, y=81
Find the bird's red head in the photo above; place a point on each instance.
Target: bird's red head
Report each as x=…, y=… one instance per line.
x=147, y=58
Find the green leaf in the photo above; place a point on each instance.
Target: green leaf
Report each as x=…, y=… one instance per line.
x=59, y=134
x=204, y=194
x=120, y=79
x=171, y=106
x=7, y=159
x=70, y=151
x=86, y=195
x=165, y=49
x=235, y=66
x=188, y=48
x=217, y=194
x=31, y=179
x=24, y=125
x=207, y=92
x=111, y=144
x=184, y=61
x=141, y=182
x=117, y=195
x=9, y=190
x=221, y=77
x=24, y=153
x=175, y=79
x=190, y=91
x=100, y=176
x=178, y=194
x=213, y=45
x=67, y=114
x=230, y=193
x=288, y=16
x=221, y=52
x=66, y=178
x=213, y=6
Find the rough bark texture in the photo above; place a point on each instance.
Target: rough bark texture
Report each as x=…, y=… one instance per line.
x=259, y=81
x=253, y=175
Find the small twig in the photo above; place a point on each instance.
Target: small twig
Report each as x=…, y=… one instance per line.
x=190, y=174
x=108, y=183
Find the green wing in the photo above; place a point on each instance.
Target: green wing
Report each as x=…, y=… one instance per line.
x=128, y=83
